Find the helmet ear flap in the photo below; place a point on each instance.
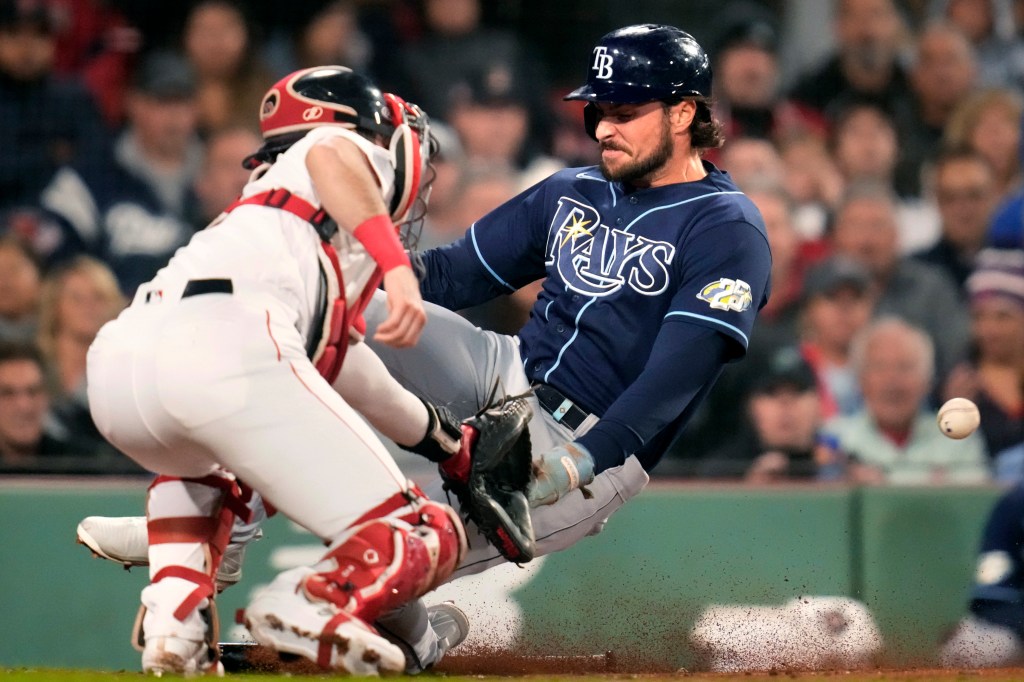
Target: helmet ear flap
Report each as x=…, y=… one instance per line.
x=591, y=117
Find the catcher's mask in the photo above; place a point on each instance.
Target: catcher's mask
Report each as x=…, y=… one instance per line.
x=336, y=95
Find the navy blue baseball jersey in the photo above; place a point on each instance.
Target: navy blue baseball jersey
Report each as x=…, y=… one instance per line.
x=630, y=277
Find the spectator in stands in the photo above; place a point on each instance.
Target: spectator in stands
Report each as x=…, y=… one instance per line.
x=23, y=406
x=989, y=122
x=20, y=279
x=839, y=300
x=865, y=230
x=866, y=149
x=942, y=75
x=330, y=34
x=45, y=122
x=814, y=183
x=965, y=192
x=456, y=47
x=779, y=435
x=748, y=100
x=77, y=299
x=894, y=435
x=990, y=26
x=26, y=443
x=751, y=161
x=778, y=321
x=489, y=112
x=222, y=176
x=865, y=67
x=134, y=207
x=993, y=377
x=98, y=43
x=220, y=44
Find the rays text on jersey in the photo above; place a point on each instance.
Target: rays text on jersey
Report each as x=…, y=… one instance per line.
x=596, y=260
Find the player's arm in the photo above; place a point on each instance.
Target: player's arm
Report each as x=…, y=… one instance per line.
x=668, y=387
x=500, y=253
x=349, y=192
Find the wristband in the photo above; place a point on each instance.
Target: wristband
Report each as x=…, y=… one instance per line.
x=379, y=236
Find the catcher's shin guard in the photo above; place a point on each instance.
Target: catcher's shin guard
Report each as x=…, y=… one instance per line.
x=394, y=553
x=382, y=563
x=189, y=524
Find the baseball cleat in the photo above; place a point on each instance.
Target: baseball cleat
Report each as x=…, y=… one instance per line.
x=125, y=540
x=450, y=624
x=177, y=656
x=282, y=618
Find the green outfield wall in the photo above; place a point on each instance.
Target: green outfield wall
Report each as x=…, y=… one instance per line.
x=639, y=585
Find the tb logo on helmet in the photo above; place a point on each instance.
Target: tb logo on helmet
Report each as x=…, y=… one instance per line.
x=602, y=63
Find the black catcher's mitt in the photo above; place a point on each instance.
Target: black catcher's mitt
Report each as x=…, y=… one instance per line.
x=494, y=497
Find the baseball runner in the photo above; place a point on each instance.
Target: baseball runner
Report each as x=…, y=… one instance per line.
x=655, y=266
x=992, y=635
x=224, y=363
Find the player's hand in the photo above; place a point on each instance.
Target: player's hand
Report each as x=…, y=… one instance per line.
x=558, y=472
x=406, y=315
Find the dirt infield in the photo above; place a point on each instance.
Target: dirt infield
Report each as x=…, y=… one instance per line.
x=259, y=661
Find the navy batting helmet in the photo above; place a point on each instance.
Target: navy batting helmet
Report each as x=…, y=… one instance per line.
x=644, y=63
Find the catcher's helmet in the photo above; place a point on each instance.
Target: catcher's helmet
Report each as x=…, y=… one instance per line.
x=644, y=63
x=336, y=95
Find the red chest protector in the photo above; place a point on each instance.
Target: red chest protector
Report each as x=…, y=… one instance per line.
x=329, y=332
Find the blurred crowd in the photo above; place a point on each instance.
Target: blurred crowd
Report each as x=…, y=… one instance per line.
x=880, y=139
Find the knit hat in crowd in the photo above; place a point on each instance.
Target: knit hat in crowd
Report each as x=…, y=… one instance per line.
x=998, y=272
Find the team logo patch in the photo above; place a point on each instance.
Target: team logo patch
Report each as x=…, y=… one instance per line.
x=727, y=294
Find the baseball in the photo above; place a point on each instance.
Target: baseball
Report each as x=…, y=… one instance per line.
x=958, y=418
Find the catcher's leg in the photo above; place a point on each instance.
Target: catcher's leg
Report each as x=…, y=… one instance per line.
x=392, y=554
x=189, y=523
x=125, y=539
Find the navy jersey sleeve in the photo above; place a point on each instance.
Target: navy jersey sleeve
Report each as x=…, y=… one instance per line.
x=672, y=384
x=500, y=253
x=725, y=281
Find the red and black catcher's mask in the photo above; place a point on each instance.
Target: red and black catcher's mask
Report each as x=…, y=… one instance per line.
x=336, y=95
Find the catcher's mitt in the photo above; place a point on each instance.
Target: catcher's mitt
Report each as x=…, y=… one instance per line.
x=494, y=496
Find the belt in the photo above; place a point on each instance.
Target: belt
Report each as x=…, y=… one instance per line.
x=562, y=409
x=198, y=287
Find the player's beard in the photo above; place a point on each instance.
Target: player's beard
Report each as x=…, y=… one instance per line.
x=639, y=170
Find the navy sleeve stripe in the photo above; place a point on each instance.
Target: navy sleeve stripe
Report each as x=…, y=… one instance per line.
x=476, y=247
x=737, y=330
x=678, y=203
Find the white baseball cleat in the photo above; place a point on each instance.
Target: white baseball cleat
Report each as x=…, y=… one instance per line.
x=177, y=656
x=282, y=618
x=125, y=540
x=450, y=624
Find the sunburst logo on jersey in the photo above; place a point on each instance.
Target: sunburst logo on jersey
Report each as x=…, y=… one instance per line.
x=578, y=228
